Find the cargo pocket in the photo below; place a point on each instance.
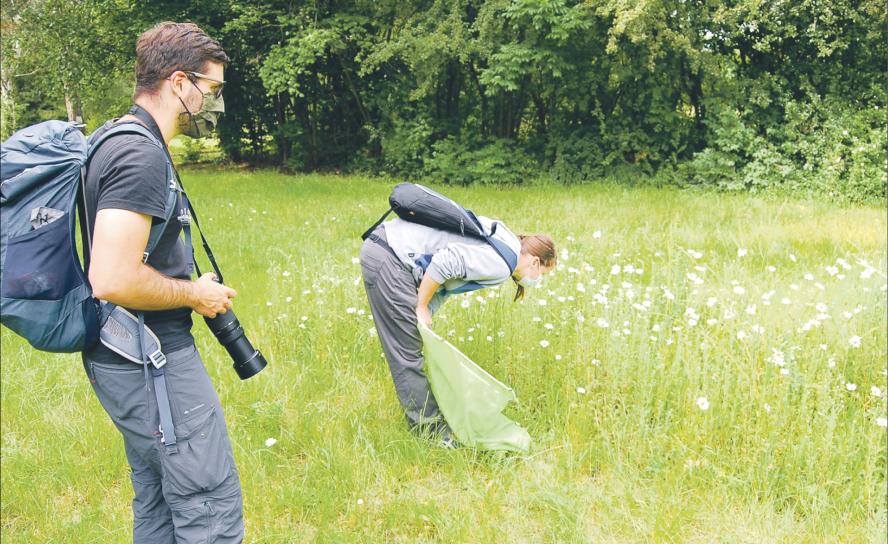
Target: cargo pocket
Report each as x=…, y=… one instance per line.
x=194, y=524
x=191, y=392
x=203, y=461
x=121, y=390
x=41, y=264
x=370, y=263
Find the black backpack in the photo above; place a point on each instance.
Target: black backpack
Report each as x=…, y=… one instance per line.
x=417, y=204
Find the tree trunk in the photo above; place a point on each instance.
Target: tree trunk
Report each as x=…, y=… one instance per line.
x=541, y=111
x=8, y=123
x=485, y=127
x=282, y=141
x=74, y=108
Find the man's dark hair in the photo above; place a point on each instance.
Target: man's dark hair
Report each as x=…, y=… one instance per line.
x=170, y=46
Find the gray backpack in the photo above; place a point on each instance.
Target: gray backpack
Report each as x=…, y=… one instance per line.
x=419, y=204
x=45, y=296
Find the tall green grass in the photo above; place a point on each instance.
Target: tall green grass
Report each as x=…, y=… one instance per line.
x=622, y=452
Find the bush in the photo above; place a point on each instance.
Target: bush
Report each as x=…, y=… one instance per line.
x=831, y=149
x=578, y=159
x=193, y=149
x=406, y=147
x=497, y=162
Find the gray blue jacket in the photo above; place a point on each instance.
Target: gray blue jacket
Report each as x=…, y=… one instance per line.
x=459, y=263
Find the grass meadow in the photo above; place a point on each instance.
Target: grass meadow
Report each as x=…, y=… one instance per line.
x=700, y=368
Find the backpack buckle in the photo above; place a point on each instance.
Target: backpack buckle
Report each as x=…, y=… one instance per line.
x=145, y=257
x=158, y=359
x=184, y=218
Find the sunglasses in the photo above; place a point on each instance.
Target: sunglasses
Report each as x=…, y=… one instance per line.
x=217, y=90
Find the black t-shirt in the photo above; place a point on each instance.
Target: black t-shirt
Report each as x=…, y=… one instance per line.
x=129, y=172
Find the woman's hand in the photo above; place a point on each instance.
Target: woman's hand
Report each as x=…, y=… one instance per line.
x=423, y=315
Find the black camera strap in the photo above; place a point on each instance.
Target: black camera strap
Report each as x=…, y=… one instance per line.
x=206, y=245
x=146, y=118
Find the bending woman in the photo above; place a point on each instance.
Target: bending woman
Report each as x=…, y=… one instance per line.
x=409, y=270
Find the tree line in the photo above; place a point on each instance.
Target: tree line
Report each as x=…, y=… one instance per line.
x=738, y=94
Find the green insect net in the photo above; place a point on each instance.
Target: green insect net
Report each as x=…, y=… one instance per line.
x=471, y=400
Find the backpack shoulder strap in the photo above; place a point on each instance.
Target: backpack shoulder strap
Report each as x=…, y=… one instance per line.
x=126, y=127
x=504, y=251
x=369, y=231
x=133, y=127
x=498, y=245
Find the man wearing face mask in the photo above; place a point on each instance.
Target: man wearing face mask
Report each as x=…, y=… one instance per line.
x=190, y=493
x=409, y=270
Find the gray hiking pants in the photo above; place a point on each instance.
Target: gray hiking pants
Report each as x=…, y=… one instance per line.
x=391, y=290
x=188, y=497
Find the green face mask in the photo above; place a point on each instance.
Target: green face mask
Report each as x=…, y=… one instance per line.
x=202, y=123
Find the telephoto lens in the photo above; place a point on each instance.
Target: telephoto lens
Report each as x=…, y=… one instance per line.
x=248, y=361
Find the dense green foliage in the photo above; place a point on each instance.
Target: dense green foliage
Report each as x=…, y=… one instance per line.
x=741, y=94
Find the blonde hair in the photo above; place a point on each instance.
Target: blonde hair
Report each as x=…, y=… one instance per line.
x=537, y=245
